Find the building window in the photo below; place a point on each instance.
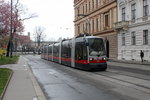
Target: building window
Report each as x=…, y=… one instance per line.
x=89, y=6
x=106, y=20
x=83, y=9
x=86, y=27
x=83, y=28
x=96, y=3
x=145, y=8
x=133, y=11
x=86, y=7
x=93, y=25
x=78, y=11
x=145, y=37
x=123, y=38
x=100, y=2
x=78, y=29
x=133, y=38
x=93, y=4
x=89, y=27
x=123, y=14
x=97, y=24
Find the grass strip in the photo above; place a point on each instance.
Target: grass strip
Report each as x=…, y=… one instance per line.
x=4, y=76
x=7, y=60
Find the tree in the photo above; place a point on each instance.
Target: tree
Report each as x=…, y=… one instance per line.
x=39, y=34
x=8, y=19
x=11, y=21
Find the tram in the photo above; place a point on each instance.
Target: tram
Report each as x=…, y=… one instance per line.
x=84, y=52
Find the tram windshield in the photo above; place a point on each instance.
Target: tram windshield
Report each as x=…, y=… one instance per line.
x=96, y=47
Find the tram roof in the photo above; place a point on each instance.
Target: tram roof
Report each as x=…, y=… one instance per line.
x=91, y=37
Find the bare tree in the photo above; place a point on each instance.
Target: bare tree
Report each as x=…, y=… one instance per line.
x=39, y=34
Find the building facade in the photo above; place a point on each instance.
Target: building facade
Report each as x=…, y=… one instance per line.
x=96, y=17
x=133, y=28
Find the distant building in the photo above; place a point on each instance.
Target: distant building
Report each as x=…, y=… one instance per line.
x=96, y=17
x=133, y=28
x=21, y=42
x=42, y=43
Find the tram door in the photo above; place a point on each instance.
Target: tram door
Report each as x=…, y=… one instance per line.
x=107, y=48
x=80, y=53
x=73, y=52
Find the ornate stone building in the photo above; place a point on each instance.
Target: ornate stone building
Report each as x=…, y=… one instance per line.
x=96, y=17
x=133, y=29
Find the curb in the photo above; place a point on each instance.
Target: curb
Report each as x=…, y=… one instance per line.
x=130, y=62
x=3, y=93
x=38, y=90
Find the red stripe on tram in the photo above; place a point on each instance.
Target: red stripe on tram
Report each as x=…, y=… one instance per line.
x=98, y=61
x=66, y=59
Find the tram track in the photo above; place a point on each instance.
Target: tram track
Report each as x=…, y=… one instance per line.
x=126, y=79
x=131, y=74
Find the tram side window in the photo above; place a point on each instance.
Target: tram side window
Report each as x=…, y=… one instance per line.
x=54, y=51
x=50, y=50
x=45, y=50
x=57, y=50
x=42, y=50
x=66, y=50
x=69, y=49
x=80, y=51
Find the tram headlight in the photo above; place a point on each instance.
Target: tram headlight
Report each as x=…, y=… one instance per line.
x=91, y=59
x=104, y=58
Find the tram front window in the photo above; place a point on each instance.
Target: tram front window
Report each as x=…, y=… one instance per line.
x=96, y=47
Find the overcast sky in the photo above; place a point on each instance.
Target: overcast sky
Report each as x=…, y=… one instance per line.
x=56, y=16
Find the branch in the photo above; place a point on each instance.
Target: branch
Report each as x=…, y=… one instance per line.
x=32, y=16
x=16, y=5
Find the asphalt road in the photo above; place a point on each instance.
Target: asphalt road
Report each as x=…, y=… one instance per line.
x=65, y=83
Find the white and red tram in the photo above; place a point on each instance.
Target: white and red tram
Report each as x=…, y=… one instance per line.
x=85, y=52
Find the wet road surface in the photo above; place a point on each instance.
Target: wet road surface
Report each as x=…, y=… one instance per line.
x=64, y=83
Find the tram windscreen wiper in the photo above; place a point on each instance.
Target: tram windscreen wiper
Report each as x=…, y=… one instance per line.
x=95, y=53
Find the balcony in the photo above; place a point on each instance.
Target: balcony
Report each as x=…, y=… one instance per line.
x=122, y=25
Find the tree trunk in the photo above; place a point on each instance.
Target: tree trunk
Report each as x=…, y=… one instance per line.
x=8, y=49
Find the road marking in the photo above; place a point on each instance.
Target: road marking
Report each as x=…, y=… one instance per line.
x=25, y=67
x=52, y=72
x=35, y=98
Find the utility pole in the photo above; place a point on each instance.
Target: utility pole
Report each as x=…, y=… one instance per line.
x=11, y=34
x=9, y=46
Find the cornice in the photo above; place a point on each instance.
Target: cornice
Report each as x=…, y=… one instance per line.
x=104, y=32
x=139, y=24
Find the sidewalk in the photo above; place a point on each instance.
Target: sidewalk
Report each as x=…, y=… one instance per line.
x=23, y=85
x=130, y=64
